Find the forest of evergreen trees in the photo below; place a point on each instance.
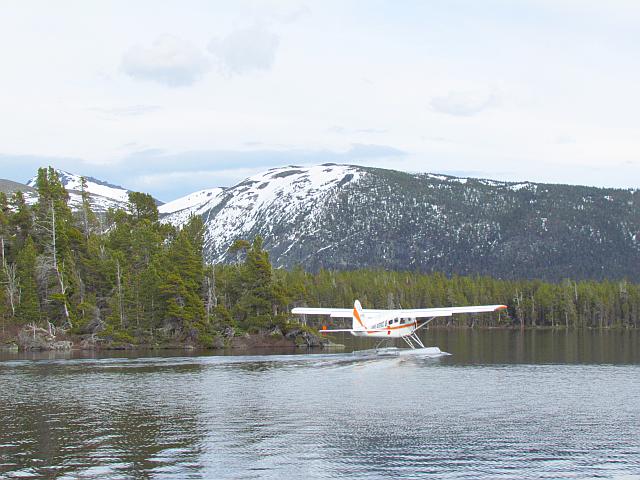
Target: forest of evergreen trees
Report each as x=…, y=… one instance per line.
x=130, y=278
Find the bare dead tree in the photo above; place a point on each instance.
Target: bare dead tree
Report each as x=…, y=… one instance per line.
x=533, y=311
x=212, y=299
x=51, y=264
x=120, y=299
x=12, y=286
x=519, y=309
x=12, y=283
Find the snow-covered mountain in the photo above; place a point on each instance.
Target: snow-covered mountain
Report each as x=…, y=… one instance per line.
x=103, y=195
x=344, y=217
x=193, y=204
x=340, y=216
x=288, y=199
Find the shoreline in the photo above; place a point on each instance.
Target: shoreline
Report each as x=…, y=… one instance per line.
x=295, y=340
x=28, y=339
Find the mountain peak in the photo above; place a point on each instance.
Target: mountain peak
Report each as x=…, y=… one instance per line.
x=73, y=182
x=342, y=216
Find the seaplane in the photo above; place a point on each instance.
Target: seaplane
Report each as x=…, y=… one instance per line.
x=393, y=324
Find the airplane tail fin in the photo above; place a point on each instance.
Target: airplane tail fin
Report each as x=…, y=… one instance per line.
x=358, y=316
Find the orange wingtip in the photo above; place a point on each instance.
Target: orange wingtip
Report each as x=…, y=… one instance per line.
x=501, y=307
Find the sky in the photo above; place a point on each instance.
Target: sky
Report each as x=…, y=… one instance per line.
x=176, y=96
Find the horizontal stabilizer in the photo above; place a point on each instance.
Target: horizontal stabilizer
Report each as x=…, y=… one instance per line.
x=332, y=312
x=368, y=330
x=337, y=330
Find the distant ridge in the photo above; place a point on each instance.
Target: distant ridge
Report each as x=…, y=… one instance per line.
x=103, y=195
x=9, y=187
x=348, y=217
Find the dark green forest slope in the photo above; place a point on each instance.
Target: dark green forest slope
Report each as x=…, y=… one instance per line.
x=130, y=278
x=341, y=217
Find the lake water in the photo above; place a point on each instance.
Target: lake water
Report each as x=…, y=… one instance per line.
x=505, y=405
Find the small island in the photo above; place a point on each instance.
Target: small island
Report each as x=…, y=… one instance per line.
x=74, y=279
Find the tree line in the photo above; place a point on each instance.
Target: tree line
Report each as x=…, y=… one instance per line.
x=131, y=278
x=531, y=303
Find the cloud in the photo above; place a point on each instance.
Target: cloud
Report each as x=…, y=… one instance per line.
x=564, y=140
x=246, y=50
x=340, y=130
x=169, y=61
x=464, y=104
x=359, y=151
x=125, y=111
x=152, y=169
x=174, y=62
x=295, y=14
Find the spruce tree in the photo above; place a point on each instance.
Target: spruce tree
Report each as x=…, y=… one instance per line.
x=181, y=286
x=89, y=220
x=28, y=310
x=257, y=301
x=5, y=213
x=21, y=220
x=143, y=207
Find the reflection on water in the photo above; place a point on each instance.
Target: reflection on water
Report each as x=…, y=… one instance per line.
x=530, y=346
x=504, y=405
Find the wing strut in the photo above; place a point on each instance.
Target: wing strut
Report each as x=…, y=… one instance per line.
x=413, y=338
x=410, y=339
x=423, y=324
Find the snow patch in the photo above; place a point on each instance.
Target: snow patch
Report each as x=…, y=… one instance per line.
x=459, y=180
x=192, y=201
x=104, y=195
x=264, y=203
x=518, y=186
x=442, y=178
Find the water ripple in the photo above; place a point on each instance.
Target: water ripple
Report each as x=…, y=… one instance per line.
x=316, y=416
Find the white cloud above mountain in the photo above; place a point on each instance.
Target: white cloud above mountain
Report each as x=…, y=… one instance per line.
x=169, y=60
x=174, y=62
x=245, y=50
x=125, y=111
x=464, y=104
x=449, y=86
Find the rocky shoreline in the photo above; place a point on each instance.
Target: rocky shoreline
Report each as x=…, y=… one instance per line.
x=31, y=338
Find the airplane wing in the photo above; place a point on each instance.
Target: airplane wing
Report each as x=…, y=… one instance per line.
x=400, y=313
x=445, y=311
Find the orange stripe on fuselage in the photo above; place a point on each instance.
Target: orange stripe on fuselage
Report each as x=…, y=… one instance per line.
x=395, y=327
